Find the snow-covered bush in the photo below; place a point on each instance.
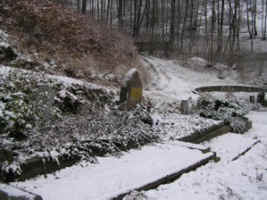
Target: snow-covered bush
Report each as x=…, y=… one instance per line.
x=221, y=109
x=16, y=114
x=9, y=169
x=25, y=103
x=230, y=109
x=67, y=101
x=121, y=130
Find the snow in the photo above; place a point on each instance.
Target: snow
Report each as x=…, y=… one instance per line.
x=2, y=108
x=113, y=176
x=230, y=145
x=4, y=39
x=176, y=126
x=172, y=82
x=3, y=35
x=129, y=76
x=66, y=81
x=4, y=45
x=244, y=178
x=71, y=81
x=64, y=93
x=4, y=71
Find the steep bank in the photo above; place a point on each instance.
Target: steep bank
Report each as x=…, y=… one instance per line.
x=75, y=44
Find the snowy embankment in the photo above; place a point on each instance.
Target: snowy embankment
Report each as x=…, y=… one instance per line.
x=66, y=81
x=113, y=176
x=243, y=179
x=171, y=82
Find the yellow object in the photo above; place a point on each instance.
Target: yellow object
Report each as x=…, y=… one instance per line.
x=136, y=94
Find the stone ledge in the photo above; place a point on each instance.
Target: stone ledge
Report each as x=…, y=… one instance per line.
x=207, y=134
x=35, y=166
x=230, y=88
x=8, y=192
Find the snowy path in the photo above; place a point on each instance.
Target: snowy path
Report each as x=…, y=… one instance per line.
x=242, y=179
x=114, y=176
x=172, y=82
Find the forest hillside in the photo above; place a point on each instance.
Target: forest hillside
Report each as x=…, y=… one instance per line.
x=79, y=46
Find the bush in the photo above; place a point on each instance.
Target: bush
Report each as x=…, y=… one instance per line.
x=16, y=115
x=221, y=109
x=230, y=110
x=25, y=103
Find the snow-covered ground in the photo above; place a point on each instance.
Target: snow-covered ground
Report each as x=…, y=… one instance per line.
x=241, y=179
x=172, y=82
x=113, y=176
x=236, y=176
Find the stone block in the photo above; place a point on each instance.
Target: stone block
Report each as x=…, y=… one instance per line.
x=132, y=89
x=187, y=106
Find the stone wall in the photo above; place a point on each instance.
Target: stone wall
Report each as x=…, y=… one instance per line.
x=230, y=88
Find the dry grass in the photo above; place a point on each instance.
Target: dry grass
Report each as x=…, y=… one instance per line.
x=77, y=43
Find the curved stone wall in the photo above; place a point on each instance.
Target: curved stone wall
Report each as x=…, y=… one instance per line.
x=230, y=88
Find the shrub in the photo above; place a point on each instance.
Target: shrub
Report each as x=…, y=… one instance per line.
x=230, y=110
x=16, y=115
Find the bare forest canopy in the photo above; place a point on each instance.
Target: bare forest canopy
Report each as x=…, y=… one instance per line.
x=209, y=28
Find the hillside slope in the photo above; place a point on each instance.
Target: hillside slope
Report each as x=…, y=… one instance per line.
x=48, y=32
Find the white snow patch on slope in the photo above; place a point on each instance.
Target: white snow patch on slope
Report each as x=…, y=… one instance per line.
x=6, y=70
x=170, y=81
